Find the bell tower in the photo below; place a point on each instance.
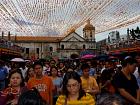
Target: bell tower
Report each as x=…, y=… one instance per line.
x=89, y=32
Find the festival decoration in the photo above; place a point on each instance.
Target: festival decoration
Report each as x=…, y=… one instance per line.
x=60, y=17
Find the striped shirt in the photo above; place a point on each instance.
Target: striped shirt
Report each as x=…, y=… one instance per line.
x=85, y=100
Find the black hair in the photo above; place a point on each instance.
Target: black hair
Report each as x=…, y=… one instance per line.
x=51, y=70
x=52, y=61
x=110, y=99
x=106, y=74
x=84, y=66
x=137, y=54
x=37, y=63
x=60, y=63
x=75, y=76
x=128, y=60
x=19, y=72
x=31, y=97
x=27, y=74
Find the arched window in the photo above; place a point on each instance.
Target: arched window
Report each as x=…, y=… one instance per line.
x=51, y=48
x=91, y=34
x=37, y=50
x=84, y=46
x=27, y=50
x=62, y=46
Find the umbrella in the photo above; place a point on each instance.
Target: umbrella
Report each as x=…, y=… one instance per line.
x=88, y=56
x=17, y=60
x=27, y=60
x=112, y=57
x=102, y=57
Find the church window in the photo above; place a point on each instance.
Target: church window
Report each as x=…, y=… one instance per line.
x=37, y=50
x=84, y=46
x=62, y=46
x=27, y=50
x=91, y=34
x=51, y=48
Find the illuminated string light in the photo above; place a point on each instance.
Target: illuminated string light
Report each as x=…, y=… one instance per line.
x=59, y=17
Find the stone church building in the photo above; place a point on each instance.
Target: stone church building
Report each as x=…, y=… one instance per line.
x=62, y=47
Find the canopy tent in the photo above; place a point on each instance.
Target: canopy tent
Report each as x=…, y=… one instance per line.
x=60, y=17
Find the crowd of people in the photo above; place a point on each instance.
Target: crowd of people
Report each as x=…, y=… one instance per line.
x=86, y=82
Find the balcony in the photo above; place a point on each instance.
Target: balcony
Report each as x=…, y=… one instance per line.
x=4, y=44
x=126, y=46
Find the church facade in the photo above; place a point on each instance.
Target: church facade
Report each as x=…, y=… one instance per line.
x=62, y=47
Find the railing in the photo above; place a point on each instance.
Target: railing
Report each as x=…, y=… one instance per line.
x=9, y=45
x=125, y=44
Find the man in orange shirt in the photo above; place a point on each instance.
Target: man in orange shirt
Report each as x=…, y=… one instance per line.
x=42, y=83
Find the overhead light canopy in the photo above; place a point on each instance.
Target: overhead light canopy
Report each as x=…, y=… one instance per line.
x=59, y=17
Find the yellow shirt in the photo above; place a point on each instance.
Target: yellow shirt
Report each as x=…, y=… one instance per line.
x=85, y=100
x=88, y=84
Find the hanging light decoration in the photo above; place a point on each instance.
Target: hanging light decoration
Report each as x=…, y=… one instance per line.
x=59, y=17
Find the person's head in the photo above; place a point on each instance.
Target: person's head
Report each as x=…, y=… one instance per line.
x=129, y=64
x=85, y=69
x=105, y=75
x=72, y=85
x=89, y=63
x=61, y=65
x=52, y=63
x=70, y=70
x=110, y=99
x=38, y=68
x=31, y=97
x=47, y=64
x=54, y=71
x=137, y=57
x=15, y=78
x=22, y=64
x=107, y=64
x=30, y=72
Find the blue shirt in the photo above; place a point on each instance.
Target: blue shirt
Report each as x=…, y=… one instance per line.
x=3, y=73
x=91, y=72
x=58, y=84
